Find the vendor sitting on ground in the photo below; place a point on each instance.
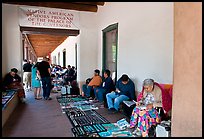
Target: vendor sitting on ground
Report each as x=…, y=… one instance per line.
x=143, y=119
x=106, y=87
x=13, y=81
x=95, y=82
x=125, y=90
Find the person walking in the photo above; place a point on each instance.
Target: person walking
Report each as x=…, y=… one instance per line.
x=27, y=75
x=36, y=83
x=45, y=71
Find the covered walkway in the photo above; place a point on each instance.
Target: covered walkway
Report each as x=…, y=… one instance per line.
x=43, y=118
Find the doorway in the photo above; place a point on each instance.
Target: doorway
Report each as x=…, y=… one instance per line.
x=64, y=58
x=76, y=54
x=110, y=47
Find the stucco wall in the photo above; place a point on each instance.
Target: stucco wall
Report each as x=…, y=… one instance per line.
x=69, y=45
x=87, y=46
x=11, y=40
x=87, y=49
x=187, y=91
x=145, y=39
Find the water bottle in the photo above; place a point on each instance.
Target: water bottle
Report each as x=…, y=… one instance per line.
x=69, y=89
x=63, y=90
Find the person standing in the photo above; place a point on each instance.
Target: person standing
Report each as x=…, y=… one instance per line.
x=45, y=71
x=27, y=75
x=36, y=84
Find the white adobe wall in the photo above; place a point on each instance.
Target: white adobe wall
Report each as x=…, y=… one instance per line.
x=69, y=45
x=11, y=40
x=87, y=47
x=87, y=42
x=145, y=39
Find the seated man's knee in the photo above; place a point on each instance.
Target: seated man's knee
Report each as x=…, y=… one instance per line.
x=95, y=89
x=117, y=100
x=108, y=95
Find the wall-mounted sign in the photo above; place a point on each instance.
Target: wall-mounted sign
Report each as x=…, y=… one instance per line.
x=48, y=18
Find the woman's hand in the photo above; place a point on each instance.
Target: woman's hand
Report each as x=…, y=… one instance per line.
x=149, y=106
x=138, y=104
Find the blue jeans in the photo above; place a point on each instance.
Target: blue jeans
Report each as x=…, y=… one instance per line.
x=100, y=94
x=114, y=100
x=84, y=88
x=46, y=85
x=87, y=90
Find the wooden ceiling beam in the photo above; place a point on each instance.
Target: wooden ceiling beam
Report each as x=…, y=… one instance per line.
x=51, y=31
x=44, y=44
x=61, y=5
x=91, y=3
x=31, y=46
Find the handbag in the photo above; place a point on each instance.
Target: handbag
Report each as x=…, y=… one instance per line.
x=38, y=77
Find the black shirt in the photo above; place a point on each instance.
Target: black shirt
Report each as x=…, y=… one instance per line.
x=27, y=67
x=8, y=79
x=70, y=72
x=43, y=69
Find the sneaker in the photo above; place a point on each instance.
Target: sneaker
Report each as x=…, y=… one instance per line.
x=95, y=100
x=49, y=98
x=38, y=98
x=112, y=110
x=90, y=98
x=115, y=111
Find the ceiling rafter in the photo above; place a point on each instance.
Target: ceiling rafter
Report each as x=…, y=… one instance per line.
x=31, y=46
x=44, y=43
x=91, y=3
x=79, y=6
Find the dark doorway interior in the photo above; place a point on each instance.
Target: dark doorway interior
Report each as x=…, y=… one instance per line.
x=64, y=58
x=110, y=44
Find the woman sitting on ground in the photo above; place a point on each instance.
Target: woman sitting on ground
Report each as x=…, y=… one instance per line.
x=13, y=81
x=150, y=97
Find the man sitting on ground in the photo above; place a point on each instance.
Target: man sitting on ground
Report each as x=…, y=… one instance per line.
x=13, y=81
x=125, y=90
x=106, y=87
x=95, y=82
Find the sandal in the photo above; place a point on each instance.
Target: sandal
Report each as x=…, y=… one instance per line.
x=38, y=98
